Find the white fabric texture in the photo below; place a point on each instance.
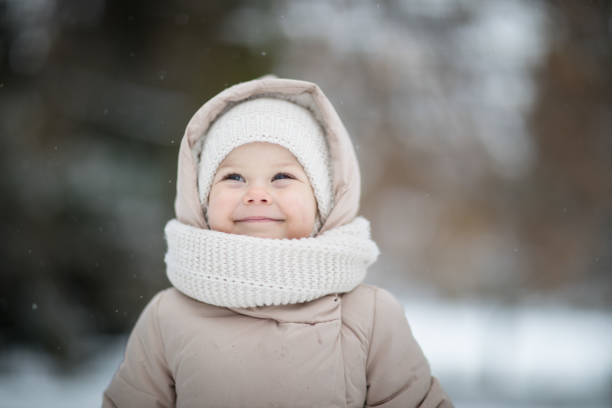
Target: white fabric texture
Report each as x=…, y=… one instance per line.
x=276, y=121
x=232, y=270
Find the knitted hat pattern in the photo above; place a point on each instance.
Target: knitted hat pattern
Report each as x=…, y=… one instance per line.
x=275, y=121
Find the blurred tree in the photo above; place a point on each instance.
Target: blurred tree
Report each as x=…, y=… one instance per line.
x=94, y=97
x=568, y=224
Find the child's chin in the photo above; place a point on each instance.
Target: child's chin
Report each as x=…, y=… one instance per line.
x=264, y=233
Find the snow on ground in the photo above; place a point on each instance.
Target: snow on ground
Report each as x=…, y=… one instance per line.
x=33, y=382
x=546, y=353
x=534, y=356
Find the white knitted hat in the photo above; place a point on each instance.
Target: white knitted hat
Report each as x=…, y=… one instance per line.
x=274, y=121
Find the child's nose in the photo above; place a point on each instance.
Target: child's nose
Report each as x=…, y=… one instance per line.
x=257, y=195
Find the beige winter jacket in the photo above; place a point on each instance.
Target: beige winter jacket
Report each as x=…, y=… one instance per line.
x=350, y=350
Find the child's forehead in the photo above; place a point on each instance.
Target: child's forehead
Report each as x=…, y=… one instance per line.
x=267, y=153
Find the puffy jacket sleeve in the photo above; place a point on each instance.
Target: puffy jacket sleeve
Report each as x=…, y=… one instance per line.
x=398, y=374
x=143, y=378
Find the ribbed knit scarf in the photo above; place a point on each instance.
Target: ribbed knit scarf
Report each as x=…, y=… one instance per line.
x=233, y=270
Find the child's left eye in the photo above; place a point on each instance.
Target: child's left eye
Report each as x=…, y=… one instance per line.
x=281, y=176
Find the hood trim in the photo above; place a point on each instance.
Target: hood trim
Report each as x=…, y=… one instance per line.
x=345, y=169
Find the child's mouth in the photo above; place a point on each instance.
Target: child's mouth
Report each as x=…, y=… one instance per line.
x=258, y=219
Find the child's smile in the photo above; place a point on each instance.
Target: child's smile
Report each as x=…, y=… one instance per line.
x=260, y=189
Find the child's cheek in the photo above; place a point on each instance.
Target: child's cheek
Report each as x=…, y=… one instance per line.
x=231, y=198
x=301, y=204
x=224, y=200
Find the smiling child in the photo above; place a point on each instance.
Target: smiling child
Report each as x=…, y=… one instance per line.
x=267, y=258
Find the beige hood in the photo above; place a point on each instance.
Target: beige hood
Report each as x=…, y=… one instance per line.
x=346, y=176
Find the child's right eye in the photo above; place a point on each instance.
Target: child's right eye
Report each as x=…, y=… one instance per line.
x=233, y=176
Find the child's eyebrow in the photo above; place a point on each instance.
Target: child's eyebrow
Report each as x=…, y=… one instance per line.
x=223, y=166
x=287, y=164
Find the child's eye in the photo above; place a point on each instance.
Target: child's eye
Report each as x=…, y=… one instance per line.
x=233, y=176
x=281, y=176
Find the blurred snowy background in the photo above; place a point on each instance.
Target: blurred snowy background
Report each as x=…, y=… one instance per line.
x=484, y=131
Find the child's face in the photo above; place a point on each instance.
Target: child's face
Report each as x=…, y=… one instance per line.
x=261, y=190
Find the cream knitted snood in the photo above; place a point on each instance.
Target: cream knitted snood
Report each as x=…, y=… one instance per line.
x=232, y=270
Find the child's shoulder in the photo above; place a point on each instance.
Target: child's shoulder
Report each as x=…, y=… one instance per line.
x=171, y=302
x=373, y=302
x=367, y=296
x=168, y=298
